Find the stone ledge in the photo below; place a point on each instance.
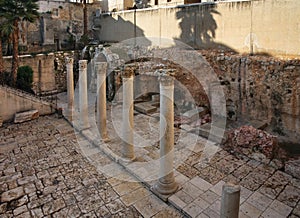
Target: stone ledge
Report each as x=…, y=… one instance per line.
x=26, y=116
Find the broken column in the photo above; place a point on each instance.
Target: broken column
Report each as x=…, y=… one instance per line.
x=83, y=96
x=166, y=183
x=230, y=201
x=127, y=116
x=100, y=68
x=70, y=87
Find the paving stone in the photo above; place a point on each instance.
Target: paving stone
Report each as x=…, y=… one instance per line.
x=281, y=208
x=127, y=212
x=168, y=212
x=177, y=202
x=37, y=212
x=201, y=183
x=217, y=188
x=187, y=170
x=53, y=206
x=275, y=184
x=20, y=210
x=103, y=212
x=296, y=210
x=132, y=197
x=115, y=206
x=271, y=213
x=192, y=209
x=211, y=213
x=250, y=210
x=201, y=202
x=211, y=175
x=191, y=190
x=210, y=196
x=259, y=201
x=12, y=194
x=183, y=196
x=289, y=196
x=149, y=206
x=108, y=195
x=126, y=187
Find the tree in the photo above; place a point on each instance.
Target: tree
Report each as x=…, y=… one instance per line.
x=5, y=34
x=14, y=11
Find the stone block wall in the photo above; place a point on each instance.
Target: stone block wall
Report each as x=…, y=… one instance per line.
x=49, y=70
x=260, y=88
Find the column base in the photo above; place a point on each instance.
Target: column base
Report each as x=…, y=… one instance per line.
x=164, y=190
x=105, y=139
x=127, y=159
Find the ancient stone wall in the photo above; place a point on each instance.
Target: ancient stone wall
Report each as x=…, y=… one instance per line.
x=13, y=101
x=59, y=27
x=49, y=70
x=260, y=88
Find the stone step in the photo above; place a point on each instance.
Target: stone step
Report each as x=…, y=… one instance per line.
x=26, y=116
x=145, y=107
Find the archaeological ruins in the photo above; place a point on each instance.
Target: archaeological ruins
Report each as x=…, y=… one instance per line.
x=153, y=108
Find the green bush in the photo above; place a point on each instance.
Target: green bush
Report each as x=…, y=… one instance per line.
x=5, y=78
x=25, y=78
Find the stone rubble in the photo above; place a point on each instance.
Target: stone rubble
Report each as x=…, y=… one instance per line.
x=248, y=139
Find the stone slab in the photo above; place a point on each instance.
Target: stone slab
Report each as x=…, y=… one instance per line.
x=292, y=167
x=145, y=107
x=195, y=113
x=26, y=116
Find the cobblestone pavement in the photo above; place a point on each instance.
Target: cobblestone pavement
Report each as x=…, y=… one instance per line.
x=48, y=170
x=44, y=174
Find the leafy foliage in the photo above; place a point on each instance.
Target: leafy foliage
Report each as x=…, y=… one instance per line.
x=13, y=12
x=25, y=78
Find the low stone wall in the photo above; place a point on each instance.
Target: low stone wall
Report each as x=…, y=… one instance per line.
x=49, y=70
x=13, y=101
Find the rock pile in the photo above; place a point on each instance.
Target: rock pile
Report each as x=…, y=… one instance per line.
x=248, y=140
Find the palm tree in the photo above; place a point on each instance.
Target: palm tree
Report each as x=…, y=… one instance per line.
x=13, y=11
x=5, y=34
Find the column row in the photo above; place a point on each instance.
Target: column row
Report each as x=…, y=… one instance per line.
x=166, y=183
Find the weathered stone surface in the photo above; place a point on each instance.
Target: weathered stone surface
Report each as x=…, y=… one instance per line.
x=293, y=167
x=196, y=113
x=1, y=121
x=145, y=107
x=26, y=116
x=12, y=194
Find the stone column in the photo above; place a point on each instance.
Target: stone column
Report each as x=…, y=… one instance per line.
x=230, y=201
x=100, y=68
x=70, y=88
x=166, y=183
x=83, y=96
x=127, y=115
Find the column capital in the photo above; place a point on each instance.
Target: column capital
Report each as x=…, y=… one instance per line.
x=82, y=64
x=166, y=80
x=166, y=76
x=69, y=60
x=129, y=70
